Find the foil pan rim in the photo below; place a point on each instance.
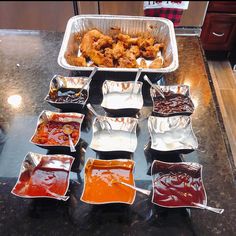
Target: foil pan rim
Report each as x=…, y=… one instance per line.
x=172, y=67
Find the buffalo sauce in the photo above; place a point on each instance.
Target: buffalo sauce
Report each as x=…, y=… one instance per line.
x=102, y=181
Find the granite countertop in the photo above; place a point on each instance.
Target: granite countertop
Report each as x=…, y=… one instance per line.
x=28, y=62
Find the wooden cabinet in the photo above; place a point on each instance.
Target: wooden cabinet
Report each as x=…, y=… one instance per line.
x=219, y=28
x=35, y=15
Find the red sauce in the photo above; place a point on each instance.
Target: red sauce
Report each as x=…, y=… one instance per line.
x=173, y=103
x=176, y=186
x=38, y=182
x=51, y=133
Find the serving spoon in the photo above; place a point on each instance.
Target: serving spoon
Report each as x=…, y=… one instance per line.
x=135, y=82
x=88, y=81
x=89, y=106
x=68, y=129
x=155, y=86
x=143, y=191
x=202, y=206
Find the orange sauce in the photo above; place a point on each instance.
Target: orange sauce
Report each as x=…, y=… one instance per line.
x=102, y=181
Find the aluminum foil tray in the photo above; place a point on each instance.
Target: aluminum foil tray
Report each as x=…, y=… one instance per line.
x=118, y=135
x=172, y=133
x=161, y=28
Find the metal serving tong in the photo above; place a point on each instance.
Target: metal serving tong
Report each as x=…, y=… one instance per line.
x=155, y=86
x=88, y=81
x=101, y=118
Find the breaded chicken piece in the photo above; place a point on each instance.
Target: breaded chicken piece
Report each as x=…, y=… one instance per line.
x=76, y=61
x=128, y=60
x=127, y=40
x=143, y=43
x=118, y=50
x=108, y=58
x=114, y=32
x=97, y=57
x=103, y=42
x=88, y=40
x=135, y=50
x=151, y=51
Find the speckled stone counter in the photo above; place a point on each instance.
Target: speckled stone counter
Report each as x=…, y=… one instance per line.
x=28, y=62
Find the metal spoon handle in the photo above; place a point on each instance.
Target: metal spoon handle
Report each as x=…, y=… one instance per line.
x=144, y=191
x=156, y=87
x=72, y=147
x=89, y=106
x=89, y=79
x=136, y=79
x=213, y=209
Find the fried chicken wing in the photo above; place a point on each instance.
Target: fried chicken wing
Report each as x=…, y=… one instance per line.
x=114, y=31
x=114, y=50
x=96, y=56
x=135, y=50
x=108, y=58
x=103, y=42
x=151, y=51
x=127, y=40
x=76, y=61
x=143, y=43
x=87, y=42
x=118, y=50
x=128, y=60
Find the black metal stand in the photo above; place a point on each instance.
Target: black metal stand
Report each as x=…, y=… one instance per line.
x=75, y=7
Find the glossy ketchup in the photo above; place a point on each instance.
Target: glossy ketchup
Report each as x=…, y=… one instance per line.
x=101, y=182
